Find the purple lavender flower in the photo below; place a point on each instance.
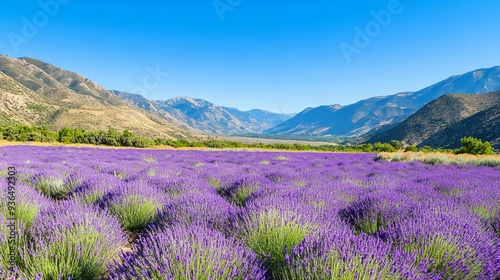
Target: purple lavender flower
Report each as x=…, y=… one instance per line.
x=27, y=202
x=70, y=240
x=12, y=240
x=181, y=252
x=93, y=188
x=205, y=209
x=134, y=204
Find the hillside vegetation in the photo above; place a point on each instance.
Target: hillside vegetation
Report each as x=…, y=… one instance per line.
x=207, y=117
x=374, y=113
x=37, y=93
x=446, y=120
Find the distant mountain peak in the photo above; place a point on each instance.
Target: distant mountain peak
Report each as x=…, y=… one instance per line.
x=433, y=123
x=403, y=94
x=209, y=117
x=182, y=99
x=44, y=94
x=372, y=113
x=477, y=75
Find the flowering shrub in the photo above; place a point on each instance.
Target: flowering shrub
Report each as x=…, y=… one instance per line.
x=194, y=252
x=69, y=240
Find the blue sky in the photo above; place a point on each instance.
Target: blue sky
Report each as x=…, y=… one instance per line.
x=277, y=55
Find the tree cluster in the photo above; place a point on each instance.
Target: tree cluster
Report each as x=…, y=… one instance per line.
x=74, y=135
x=111, y=137
x=474, y=146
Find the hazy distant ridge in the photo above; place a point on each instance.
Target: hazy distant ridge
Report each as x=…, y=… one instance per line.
x=370, y=114
x=33, y=92
x=208, y=117
x=442, y=122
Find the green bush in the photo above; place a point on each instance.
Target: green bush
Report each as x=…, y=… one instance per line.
x=426, y=149
x=396, y=144
x=134, y=211
x=383, y=147
x=27, y=133
x=368, y=148
x=411, y=148
x=474, y=146
x=270, y=232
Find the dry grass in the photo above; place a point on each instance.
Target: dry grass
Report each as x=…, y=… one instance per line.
x=51, y=144
x=44, y=144
x=433, y=158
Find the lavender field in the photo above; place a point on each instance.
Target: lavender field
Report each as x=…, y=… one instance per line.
x=83, y=213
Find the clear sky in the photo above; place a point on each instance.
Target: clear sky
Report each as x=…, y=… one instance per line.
x=277, y=55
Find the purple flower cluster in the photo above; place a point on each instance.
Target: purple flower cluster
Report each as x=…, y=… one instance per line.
x=70, y=240
x=135, y=204
x=153, y=214
x=194, y=252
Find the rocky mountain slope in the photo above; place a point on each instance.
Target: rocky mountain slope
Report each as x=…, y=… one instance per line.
x=373, y=113
x=208, y=117
x=484, y=125
x=33, y=92
x=442, y=122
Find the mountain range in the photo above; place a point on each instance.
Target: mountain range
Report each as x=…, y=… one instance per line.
x=37, y=93
x=374, y=113
x=484, y=125
x=442, y=122
x=33, y=92
x=207, y=117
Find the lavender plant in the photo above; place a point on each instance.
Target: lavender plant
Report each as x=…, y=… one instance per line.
x=181, y=252
x=134, y=205
x=494, y=223
x=364, y=216
x=71, y=241
x=206, y=209
x=447, y=257
x=240, y=191
x=447, y=242
x=55, y=184
x=268, y=233
x=12, y=241
x=27, y=203
x=339, y=254
x=93, y=188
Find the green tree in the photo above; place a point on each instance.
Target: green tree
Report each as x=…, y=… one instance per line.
x=79, y=135
x=127, y=138
x=368, y=148
x=396, y=144
x=383, y=147
x=411, y=148
x=66, y=136
x=426, y=149
x=474, y=146
x=111, y=138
